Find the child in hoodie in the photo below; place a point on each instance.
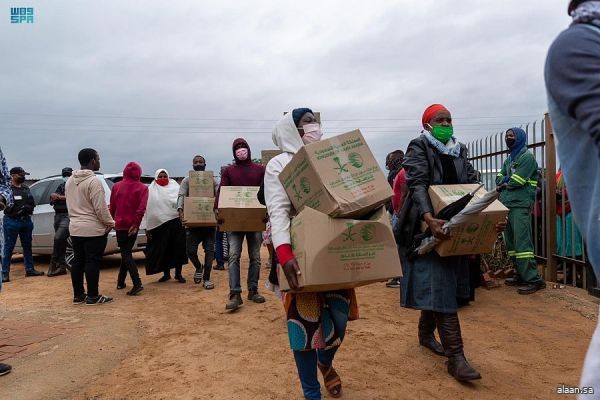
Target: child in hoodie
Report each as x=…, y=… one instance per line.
x=128, y=200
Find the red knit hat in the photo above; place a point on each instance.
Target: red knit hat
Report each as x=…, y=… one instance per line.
x=430, y=112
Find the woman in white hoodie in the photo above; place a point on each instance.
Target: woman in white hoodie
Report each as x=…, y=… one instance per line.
x=316, y=321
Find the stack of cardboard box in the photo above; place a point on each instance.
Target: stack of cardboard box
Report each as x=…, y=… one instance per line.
x=198, y=206
x=341, y=236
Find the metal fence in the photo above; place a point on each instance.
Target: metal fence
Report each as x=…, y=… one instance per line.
x=557, y=241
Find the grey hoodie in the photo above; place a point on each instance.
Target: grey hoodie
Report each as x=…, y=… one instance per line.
x=86, y=201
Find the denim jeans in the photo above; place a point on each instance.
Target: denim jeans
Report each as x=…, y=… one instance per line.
x=61, y=234
x=306, y=361
x=206, y=236
x=126, y=243
x=254, y=241
x=1, y=243
x=88, y=252
x=23, y=229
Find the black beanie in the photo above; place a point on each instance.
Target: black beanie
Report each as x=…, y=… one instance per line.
x=298, y=113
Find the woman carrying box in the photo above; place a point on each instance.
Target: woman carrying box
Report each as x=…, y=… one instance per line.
x=316, y=321
x=432, y=283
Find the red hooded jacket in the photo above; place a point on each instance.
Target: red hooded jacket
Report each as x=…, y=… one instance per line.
x=242, y=173
x=128, y=198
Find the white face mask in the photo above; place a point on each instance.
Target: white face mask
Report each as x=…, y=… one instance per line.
x=242, y=154
x=312, y=133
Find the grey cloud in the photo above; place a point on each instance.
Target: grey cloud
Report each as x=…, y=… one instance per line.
x=189, y=60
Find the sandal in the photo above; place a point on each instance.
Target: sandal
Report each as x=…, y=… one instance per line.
x=198, y=276
x=332, y=380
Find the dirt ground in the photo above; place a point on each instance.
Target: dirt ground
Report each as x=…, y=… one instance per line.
x=175, y=341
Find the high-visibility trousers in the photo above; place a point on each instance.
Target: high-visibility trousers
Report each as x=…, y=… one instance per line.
x=519, y=243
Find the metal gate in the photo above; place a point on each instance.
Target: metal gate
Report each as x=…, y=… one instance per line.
x=557, y=242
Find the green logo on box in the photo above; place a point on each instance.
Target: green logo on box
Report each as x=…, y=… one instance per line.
x=367, y=232
x=472, y=228
x=348, y=235
x=305, y=185
x=355, y=160
x=340, y=167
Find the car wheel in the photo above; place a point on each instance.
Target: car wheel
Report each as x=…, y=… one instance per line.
x=69, y=254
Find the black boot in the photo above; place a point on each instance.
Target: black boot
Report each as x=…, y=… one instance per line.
x=426, y=333
x=449, y=329
x=52, y=269
x=178, y=277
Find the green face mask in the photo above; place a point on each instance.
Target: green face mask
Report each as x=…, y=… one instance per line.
x=442, y=133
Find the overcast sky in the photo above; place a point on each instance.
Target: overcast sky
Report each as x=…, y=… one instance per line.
x=159, y=81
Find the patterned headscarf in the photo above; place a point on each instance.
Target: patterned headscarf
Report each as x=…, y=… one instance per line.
x=5, y=181
x=587, y=12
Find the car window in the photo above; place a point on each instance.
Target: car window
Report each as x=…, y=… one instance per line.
x=109, y=182
x=147, y=180
x=54, y=186
x=37, y=191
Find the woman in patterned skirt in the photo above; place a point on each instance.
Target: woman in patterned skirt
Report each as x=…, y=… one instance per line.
x=316, y=322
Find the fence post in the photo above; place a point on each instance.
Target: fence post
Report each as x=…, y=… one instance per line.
x=550, y=180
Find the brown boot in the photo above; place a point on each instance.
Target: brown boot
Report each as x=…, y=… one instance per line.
x=426, y=333
x=449, y=329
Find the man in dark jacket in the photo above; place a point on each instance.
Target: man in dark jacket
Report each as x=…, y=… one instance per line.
x=58, y=264
x=519, y=173
x=195, y=236
x=17, y=223
x=244, y=172
x=573, y=86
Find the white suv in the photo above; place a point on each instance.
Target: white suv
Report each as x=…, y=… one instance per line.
x=43, y=216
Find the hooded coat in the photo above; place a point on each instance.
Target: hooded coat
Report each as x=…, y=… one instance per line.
x=162, y=202
x=279, y=206
x=520, y=172
x=128, y=198
x=86, y=201
x=242, y=172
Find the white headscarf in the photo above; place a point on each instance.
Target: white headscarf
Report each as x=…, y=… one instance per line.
x=162, y=202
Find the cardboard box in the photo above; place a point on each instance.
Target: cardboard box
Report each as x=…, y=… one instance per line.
x=336, y=253
x=202, y=184
x=199, y=212
x=267, y=155
x=338, y=176
x=240, y=209
x=477, y=235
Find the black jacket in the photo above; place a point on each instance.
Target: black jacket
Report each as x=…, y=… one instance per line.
x=424, y=168
x=23, y=203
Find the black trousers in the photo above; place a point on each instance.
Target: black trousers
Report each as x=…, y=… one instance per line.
x=206, y=236
x=126, y=244
x=87, y=258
